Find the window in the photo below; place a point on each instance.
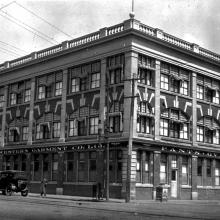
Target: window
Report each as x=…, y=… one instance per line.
x=164, y=127
x=145, y=76
x=114, y=122
x=73, y=128
x=14, y=134
x=48, y=91
x=199, y=171
x=1, y=101
x=95, y=80
x=75, y=85
x=146, y=61
x=36, y=167
x=208, y=168
x=185, y=173
x=163, y=168
x=45, y=161
x=184, y=131
x=115, y=166
x=142, y=167
x=216, y=136
x=175, y=85
x=174, y=129
x=27, y=95
x=200, y=133
x=184, y=87
x=69, y=166
x=13, y=99
x=58, y=88
x=54, y=166
x=173, y=162
x=41, y=92
x=94, y=123
x=116, y=76
x=43, y=131
x=83, y=84
x=56, y=129
x=25, y=131
x=199, y=92
x=217, y=173
x=92, y=166
x=215, y=98
x=82, y=128
x=164, y=82
x=143, y=124
x=81, y=167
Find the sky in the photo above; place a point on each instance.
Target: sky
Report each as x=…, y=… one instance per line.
x=32, y=25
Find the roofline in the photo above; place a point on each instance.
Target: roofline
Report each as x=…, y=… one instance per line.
x=134, y=24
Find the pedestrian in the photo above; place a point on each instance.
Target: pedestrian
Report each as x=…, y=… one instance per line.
x=43, y=186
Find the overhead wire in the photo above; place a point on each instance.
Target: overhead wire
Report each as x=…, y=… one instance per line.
x=7, y=14
x=58, y=29
x=27, y=29
x=13, y=53
x=14, y=47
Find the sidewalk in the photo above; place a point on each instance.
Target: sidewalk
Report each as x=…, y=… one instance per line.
x=112, y=200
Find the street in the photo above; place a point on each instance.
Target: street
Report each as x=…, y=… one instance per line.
x=34, y=207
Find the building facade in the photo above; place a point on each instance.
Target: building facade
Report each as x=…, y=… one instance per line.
x=128, y=105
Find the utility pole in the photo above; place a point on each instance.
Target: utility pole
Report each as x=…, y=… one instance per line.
x=128, y=180
x=106, y=133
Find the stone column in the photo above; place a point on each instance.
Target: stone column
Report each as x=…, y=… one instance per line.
x=194, y=177
x=194, y=109
x=102, y=104
x=157, y=101
x=156, y=172
x=213, y=166
x=60, y=177
x=63, y=106
x=31, y=112
x=2, y=144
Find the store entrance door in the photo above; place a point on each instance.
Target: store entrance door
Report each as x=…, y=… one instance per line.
x=174, y=183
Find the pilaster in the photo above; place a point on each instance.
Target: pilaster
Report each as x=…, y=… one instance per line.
x=31, y=112
x=194, y=109
x=59, y=188
x=2, y=144
x=63, y=106
x=157, y=101
x=156, y=172
x=194, y=177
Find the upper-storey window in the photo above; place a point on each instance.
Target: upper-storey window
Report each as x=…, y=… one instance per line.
x=58, y=88
x=84, y=77
x=145, y=76
x=49, y=85
x=95, y=80
x=174, y=79
x=146, y=61
x=208, y=89
x=13, y=98
x=174, y=123
x=41, y=92
x=17, y=92
x=2, y=101
x=115, y=66
x=208, y=130
x=27, y=95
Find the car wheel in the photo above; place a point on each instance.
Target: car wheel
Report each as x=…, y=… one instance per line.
x=24, y=193
x=8, y=191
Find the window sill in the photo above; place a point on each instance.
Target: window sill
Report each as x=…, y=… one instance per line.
x=144, y=185
x=186, y=186
x=79, y=183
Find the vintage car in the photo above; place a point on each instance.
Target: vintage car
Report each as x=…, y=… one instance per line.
x=13, y=181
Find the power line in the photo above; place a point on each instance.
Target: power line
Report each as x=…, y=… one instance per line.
x=10, y=45
x=4, y=6
x=29, y=26
x=27, y=29
x=13, y=53
x=43, y=19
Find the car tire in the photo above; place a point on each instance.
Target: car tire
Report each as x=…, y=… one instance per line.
x=24, y=193
x=8, y=191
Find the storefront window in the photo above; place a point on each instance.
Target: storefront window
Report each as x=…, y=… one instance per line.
x=92, y=166
x=163, y=168
x=36, y=168
x=54, y=167
x=217, y=173
x=185, y=172
x=81, y=167
x=69, y=166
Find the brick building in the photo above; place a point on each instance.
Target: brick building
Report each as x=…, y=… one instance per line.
x=149, y=96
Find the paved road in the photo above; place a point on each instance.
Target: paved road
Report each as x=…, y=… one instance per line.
x=34, y=208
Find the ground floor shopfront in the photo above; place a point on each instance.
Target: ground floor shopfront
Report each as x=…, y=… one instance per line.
x=76, y=169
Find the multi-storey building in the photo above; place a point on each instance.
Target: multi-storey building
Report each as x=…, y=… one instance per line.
x=131, y=96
